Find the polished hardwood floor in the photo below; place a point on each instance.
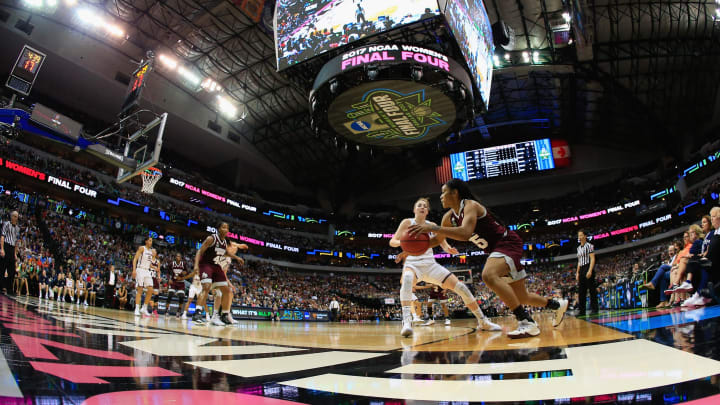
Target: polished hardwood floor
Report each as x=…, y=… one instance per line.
x=57, y=353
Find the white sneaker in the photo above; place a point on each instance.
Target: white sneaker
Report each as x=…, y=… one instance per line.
x=525, y=329
x=685, y=287
x=489, y=326
x=447, y=321
x=207, y=317
x=137, y=311
x=85, y=303
x=429, y=322
x=146, y=313
x=560, y=313
x=416, y=319
x=217, y=321
x=184, y=315
x=690, y=302
x=406, y=330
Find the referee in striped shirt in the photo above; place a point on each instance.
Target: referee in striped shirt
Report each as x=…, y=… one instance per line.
x=8, y=249
x=585, y=275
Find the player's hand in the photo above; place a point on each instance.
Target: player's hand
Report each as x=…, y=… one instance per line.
x=589, y=274
x=401, y=257
x=240, y=261
x=133, y=275
x=243, y=246
x=453, y=251
x=416, y=229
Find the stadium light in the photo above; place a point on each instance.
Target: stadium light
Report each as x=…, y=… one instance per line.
x=70, y=3
x=191, y=77
x=34, y=3
x=89, y=17
x=566, y=16
x=227, y=108
x=536, y=57
x=114, y=30
x=507, y=56
x=167, y=61
x=496, y=60
x=51, y=3
x=210, y=85
x=526, y=56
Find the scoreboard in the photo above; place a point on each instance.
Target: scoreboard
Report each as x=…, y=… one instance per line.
x=25, y=71
x=503, y=160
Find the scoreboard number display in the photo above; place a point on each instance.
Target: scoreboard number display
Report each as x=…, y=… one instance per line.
x=25, y=70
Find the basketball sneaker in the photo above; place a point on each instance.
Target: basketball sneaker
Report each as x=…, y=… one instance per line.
x=184, y=315
x=487, y=325
x=416, y=319
x=429, y=322
x=560, y=312
x=145, y=312
x=447, y=321
x=227, y=319
x=137, y=311
x=685, y=287
x=198, y=318
x=406, y=330
x=217, y=321
x=525, y=329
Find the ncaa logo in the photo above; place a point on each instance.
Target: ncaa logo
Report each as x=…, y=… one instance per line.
x=360, y=126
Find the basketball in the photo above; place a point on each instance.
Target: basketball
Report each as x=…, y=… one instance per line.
x=415, y=244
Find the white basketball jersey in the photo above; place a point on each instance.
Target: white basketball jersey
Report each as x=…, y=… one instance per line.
x=428, y=255
x=196, y=281
x=146, y=258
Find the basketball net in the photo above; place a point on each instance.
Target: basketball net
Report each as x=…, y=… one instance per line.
x=150, y=177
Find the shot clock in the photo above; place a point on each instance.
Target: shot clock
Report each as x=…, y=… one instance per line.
x=137, y=82
x=25, y=70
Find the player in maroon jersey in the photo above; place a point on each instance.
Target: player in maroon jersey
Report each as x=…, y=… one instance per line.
x=468, y=220
x=209, y=262
x=437, y=294
x=177, y=283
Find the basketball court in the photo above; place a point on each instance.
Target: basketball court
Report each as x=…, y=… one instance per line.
x=63, y=353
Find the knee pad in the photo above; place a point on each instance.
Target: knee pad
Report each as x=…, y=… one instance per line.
x=406, y=286
x=464, y=293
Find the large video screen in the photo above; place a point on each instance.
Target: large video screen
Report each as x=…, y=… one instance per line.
x=306, y=28
x=470, y=25
x=502, y=160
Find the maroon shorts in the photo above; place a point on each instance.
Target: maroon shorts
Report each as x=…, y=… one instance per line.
x=437, y=296
x=510, y=248
x=212, y=273
x=177, y=286
x=156, y=285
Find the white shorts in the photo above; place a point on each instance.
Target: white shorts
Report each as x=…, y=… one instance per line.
x=194, y=291
x=429, y=271
x=143, y=279
x=414, y=297
x=514, y=274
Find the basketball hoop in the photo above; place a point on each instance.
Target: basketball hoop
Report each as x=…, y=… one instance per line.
x=150, y=177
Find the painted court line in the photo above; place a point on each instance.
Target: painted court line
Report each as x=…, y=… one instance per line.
x=637, y=316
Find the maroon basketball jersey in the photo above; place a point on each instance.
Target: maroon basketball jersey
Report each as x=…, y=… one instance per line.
x=178, y=268
x=487, y=229
x=437, y=293
x=215, y=254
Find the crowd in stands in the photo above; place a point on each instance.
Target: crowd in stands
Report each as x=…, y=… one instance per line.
x=605, y=196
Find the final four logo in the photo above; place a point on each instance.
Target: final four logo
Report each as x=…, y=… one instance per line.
x=385, y=114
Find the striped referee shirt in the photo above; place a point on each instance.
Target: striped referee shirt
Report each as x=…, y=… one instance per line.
x=583, y=253
x=11, y=233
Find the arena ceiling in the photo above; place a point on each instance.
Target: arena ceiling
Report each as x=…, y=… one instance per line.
x=640, y=74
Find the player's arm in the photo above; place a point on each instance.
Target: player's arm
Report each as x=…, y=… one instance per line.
x=442, y=241
x=402, y=227
x=471, y=213
x=241, y=246
x=205, y=246
x=135, y=260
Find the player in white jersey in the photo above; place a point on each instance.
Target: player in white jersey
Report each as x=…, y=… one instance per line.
x=143, y=278
x=195, y=290
x=423, y=267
